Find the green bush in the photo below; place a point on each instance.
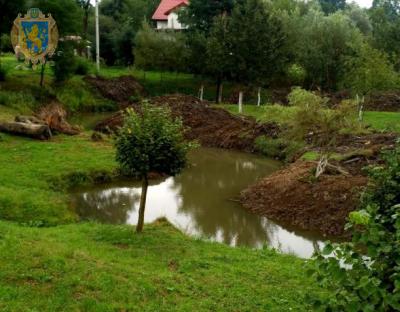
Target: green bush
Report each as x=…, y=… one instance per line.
x=5, y=43
x=64, y=62
x=2, y=73
x=314, y=121
x=296, y=74
x=364, y=275
x=83, y=66
x=278, y=148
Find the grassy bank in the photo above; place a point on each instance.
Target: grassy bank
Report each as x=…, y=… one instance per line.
x=33, y=173
x=91, y=267
x=379, y=121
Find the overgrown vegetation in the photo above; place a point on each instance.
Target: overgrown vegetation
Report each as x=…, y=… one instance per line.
x=364, y=275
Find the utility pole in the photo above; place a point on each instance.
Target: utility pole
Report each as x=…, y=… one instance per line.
x=97, y=38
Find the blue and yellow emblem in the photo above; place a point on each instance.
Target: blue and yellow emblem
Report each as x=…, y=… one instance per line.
x=35, y=36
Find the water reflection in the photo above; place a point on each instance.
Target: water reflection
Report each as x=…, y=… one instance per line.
x=201, y=202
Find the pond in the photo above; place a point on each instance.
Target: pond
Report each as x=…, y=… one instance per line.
x=201, y=202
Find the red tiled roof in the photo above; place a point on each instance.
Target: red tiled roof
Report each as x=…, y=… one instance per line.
x=166, y=6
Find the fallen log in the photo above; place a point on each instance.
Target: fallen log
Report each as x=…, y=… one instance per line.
x=36, y=131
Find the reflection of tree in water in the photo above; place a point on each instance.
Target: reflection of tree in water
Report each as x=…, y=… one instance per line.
x=108, y=206
x=207, y=189
x=111, y=203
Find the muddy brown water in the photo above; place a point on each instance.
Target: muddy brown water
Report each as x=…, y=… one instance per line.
x=201, y=202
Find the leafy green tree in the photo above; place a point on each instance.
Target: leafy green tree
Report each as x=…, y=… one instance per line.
x=331, y=6
x=120, y=20
x=67, y=14
x=364, y=275
x=9, y=11
x=164, y=51
x=219, y=59
x=200, y=14
x=260, y=60
x=321, y=44
x=86, y=7
x=150, y=141
x=359, y=17
x=369, y=70
x=385, y=19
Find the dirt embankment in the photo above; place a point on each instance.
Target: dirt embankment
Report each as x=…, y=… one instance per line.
x=121, y=89
x=293, y=196
x=212, y=127
x=290, y=196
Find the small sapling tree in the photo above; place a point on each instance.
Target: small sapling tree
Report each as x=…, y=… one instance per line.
x=150, y=141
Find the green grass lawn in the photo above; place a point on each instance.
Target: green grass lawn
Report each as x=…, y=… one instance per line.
x=92, y=267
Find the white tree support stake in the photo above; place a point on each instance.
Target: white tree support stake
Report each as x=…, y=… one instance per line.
x=259, y=97
x=240, y=102
x=201, y=93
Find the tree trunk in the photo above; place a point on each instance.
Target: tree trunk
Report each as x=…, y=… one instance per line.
x=42, y=74
x=36, y=131
x=240, y=102
x=218, y=98
x=145, y=185
x=259, y=97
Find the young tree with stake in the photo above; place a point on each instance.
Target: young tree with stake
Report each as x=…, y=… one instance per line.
x=150, y=141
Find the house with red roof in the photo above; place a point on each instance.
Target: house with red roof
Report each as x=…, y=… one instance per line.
x=166, y=15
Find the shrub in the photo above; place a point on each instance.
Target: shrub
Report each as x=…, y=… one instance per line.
x=5, y=43
x=64, y=62
x=313, y=120
x=150, y=141
x=296, y=74
x=364, y=275
x=83, y=66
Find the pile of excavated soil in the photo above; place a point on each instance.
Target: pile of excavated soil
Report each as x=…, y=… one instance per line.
x=212, y=127
x=121, y=89
x=384, y=101
x=291, y=196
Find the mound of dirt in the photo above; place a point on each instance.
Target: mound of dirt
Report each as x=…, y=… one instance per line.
x=384, y=101
x=290, y=196
x=212, y=127
x=120, y=89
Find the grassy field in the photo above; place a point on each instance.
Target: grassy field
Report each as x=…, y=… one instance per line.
x=380, y=121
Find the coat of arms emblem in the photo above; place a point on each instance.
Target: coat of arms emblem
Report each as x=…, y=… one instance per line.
x=35, y=36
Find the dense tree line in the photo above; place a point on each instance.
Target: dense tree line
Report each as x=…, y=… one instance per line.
x=325, y=44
